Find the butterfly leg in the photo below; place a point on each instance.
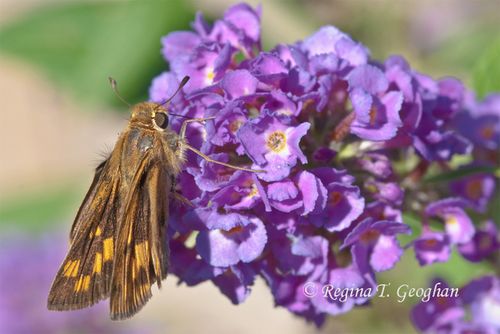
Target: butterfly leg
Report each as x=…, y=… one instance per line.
x=183, y=144
x=182, y=132
x=207, y=158
x=176, y=195
x=181, y=199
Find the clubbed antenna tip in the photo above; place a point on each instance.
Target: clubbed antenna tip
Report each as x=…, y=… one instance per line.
x=184, y=81
x=114, y=86
x=182, y=84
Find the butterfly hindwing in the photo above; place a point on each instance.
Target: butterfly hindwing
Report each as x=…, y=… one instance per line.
x=142, y=254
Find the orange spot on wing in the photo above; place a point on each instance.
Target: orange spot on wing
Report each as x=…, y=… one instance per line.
x=107, y=246
x=97, y=263
x=71, y=268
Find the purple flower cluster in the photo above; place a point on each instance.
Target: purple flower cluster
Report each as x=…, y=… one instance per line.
x=476, y=309
x=330, y=127
x=27, y=266
x=474, y=244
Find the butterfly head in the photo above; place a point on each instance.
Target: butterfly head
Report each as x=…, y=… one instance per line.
x=150, y=115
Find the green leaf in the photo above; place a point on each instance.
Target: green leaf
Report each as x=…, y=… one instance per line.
x=414, y=221
x=487, y=70
x=459, y=173
x=80, y=44
x=41, y=208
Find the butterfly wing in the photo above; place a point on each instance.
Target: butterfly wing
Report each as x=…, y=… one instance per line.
x=118, y=247
x=88, y=201
x=141, y=250
x=84, y=277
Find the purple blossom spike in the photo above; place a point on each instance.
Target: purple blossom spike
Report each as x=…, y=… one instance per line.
x=346, y=148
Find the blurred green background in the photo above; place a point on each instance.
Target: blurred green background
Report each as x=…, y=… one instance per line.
x=58, y=113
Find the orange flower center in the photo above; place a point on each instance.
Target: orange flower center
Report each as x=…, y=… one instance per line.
x=487, y=132
x=431, y=242
x=451, y=220
x=210, y=75
x=335, y=198
x=485, y=242
x=232, y=231
x=373, y=115
x=253, y=192
x=235, y=125
x=369, y=236
x=474, y=189
x=276, y=141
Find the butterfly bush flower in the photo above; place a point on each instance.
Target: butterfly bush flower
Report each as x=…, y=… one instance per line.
x=342, y=143
x=432, y=247
x=457, y=223
x=477, y=189
x=484, y=243
x=273, y=146
x=377, y=112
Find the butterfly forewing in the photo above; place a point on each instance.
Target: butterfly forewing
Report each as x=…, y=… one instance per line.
x=85, y=274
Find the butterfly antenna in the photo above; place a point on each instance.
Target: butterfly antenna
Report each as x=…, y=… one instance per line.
x=182, y=84
x=177, y=115
x=114, y=86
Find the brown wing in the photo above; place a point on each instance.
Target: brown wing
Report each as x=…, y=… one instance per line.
x=141, y=250
x=85, y=274
x=87, y=201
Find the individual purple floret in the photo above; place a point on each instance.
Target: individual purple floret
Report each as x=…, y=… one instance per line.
x=377, y=164
x=477, y=189
x=485, y=242
x=304, y=195
x=330, y=40
x=432, y=247
x=343, y=202
x=273, y=146
x=481, y=123
x=375, y=241
x=377, y=111
x=242, y=239
x=457, y=223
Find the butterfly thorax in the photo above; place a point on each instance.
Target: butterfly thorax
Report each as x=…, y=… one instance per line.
x=148, y=130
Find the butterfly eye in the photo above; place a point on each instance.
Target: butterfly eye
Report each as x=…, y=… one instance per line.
x=161, y=120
